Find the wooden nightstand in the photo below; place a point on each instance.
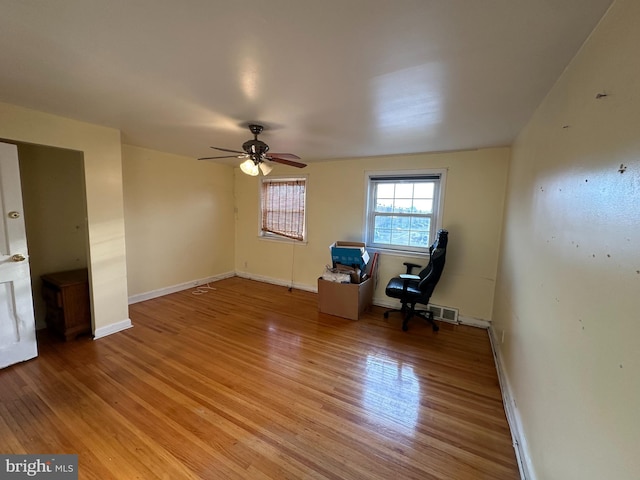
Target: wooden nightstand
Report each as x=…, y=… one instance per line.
x=67, y=297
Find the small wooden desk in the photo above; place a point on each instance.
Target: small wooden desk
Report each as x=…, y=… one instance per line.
x=67, y=297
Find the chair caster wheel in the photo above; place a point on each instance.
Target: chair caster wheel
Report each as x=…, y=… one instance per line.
x=405, y=328
x=386, y=314
x=436, y=328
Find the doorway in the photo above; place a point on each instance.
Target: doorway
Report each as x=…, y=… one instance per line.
x=55, y=212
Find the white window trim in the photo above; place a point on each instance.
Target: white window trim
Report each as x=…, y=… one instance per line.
x=272, y=237
x=439, y=206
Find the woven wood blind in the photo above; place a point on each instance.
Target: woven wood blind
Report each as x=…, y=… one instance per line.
x=283, y=208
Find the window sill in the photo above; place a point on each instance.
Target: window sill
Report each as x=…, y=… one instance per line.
x=269, y=238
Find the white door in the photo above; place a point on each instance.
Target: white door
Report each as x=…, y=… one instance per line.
x=17, y=322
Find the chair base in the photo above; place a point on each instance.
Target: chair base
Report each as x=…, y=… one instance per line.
x=409, y=313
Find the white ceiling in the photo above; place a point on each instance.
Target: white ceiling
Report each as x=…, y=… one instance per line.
x=328, y=79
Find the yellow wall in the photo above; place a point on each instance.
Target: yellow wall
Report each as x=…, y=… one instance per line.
x=178, y=218
x=473, y=207
x=568, y=298
x=103, y=181
x=54, y=211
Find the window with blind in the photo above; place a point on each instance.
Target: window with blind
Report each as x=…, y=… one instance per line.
x=283, y=212
x=404, y=210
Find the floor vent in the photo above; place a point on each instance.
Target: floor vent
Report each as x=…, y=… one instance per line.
x=446, y=314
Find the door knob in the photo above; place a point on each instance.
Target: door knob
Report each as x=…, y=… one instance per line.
x=18, y=257
x=14, y=214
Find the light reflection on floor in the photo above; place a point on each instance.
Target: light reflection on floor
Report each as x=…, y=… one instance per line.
x=391, y=394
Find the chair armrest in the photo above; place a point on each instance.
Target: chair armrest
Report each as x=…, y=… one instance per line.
x=410, y=266
x=406, y=276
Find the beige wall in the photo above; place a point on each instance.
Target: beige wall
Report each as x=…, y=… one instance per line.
x=103, y=181
x=55, y=215
x=178, y=219
x=473, y=207
x=568, y=298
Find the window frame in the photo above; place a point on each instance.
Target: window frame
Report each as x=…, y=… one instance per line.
x=372, y=178
x=270, y=236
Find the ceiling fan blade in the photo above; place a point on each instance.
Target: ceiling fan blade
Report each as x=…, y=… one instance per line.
x=287, y=156
x=228, y=150
x=284, y=161
x=226, y=156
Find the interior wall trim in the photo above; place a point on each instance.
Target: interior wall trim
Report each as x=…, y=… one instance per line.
x=276, y=281
x=474, y=322
x=112, y=328
x=513, y=416
x=141, y=297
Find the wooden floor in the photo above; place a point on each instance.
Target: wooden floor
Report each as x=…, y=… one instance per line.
x=250, y=381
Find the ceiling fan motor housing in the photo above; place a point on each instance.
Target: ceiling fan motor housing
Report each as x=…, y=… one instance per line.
x=255, y=147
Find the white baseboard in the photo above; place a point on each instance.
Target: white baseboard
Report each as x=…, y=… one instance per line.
x=513, y=416
x=474, y=322
x=386, y=303
x=277, y=281
x=111, y=329
x=141, y=297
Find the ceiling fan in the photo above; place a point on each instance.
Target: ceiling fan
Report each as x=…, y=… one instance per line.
x=255, y=151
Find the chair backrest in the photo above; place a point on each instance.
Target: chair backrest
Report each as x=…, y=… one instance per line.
x=430, y=275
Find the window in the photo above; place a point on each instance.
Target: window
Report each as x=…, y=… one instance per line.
x=403, y=210
x=283, y=208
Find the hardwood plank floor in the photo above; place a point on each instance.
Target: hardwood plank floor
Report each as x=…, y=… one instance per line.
x=250, y=381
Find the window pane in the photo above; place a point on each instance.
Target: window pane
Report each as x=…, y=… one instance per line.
x=422, y=206
x=384, y=205
x=385, y=190
x=424, y=190
x=401, y=223
x=382, y=236
x=399, y=237
x=420, y=224
x=402, y=205
x=382, y=221
x=404, y=190
x=419, y=239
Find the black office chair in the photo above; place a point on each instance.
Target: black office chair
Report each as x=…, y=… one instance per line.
x=412, y=289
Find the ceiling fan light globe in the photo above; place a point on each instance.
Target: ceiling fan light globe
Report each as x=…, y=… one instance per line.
x=249, y=167
x=266, y=169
